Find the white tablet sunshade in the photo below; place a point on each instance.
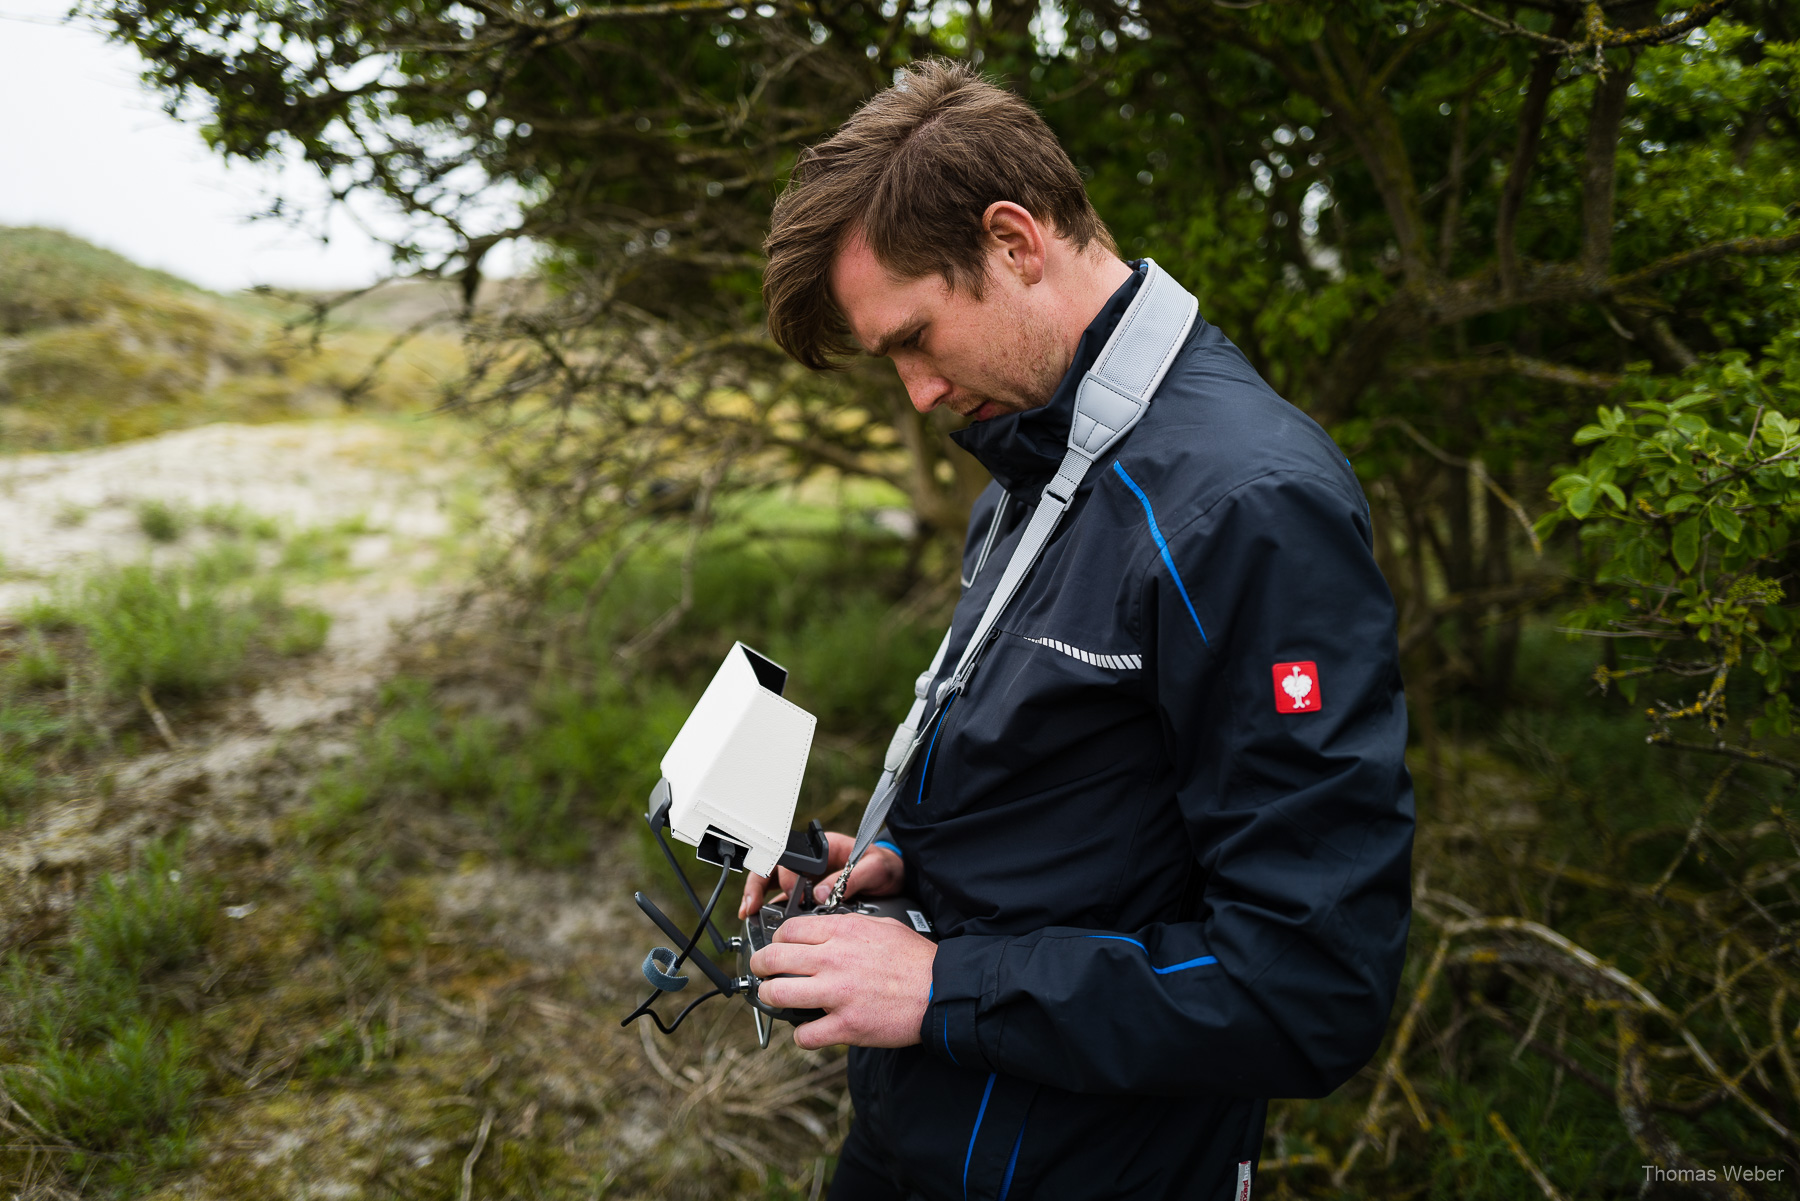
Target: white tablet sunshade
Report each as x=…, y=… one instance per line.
x=736, y=766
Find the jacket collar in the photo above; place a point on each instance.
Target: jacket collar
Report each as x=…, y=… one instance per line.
x=1022, y=450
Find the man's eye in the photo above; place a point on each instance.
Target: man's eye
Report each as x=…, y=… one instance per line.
x=912, y=342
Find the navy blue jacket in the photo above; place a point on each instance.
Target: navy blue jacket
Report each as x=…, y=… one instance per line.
x=1171, y=879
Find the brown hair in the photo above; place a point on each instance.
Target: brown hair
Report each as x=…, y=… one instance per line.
x=915, y=170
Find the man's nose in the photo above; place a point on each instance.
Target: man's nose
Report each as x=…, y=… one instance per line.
x=926, y=388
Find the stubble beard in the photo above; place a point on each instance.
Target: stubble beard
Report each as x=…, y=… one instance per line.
x=1031, y=370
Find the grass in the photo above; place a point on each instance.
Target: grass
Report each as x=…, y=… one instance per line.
x=180, y=632
x=74, y=674
x=30, y=735
x=99, y=1060
x=160, y=521
x=586, y=753
x=337, y=903
x=236, y=521
x=168, y=630
x=150, y=920
x=102, y=350
x=37, y=665
x=301, y=630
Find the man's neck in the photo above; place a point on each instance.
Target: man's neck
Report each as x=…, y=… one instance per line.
x=1089, y=280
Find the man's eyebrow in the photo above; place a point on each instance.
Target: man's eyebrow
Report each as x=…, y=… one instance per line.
x=899, y=333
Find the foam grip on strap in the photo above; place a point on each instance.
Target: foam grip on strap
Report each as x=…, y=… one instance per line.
x=657, y=967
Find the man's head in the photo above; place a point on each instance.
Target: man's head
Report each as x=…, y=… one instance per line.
x=944, y=227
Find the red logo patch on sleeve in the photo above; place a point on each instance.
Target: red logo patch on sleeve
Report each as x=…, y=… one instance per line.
x=1296, y=688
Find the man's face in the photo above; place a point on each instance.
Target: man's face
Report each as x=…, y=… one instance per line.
x=981, y=358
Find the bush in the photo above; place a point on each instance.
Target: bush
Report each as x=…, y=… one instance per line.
x=37, y=665
x=126, y=1101
x=161, y=521
x=152, y=919
x=154, y=629
x=301, y=631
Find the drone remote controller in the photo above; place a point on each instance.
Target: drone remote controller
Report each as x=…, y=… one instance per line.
x=808, y=857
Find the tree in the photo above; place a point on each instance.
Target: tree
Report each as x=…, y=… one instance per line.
x=1435, y=226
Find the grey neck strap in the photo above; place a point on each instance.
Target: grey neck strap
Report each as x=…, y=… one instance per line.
x=1112, y=398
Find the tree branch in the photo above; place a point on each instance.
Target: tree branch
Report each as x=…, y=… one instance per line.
x=1369, y=120
x=1512, y=363
x=1601, y=37
x=1600, y=162
x=1702, y=254
x=1531, y=129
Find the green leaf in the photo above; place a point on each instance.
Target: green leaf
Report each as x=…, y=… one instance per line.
x=1726, y=522
x=1564, y=485
x=1615, y=492
x=1685, y=545
x=1591, y=433
x=1680, y=501
x=1582, y=502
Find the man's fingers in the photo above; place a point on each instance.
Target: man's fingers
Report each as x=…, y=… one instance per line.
x=755, y=888
x=810, y=928
x=784, y=959
x=822, y=892
x=801, y=992
x=878, y=873
x=829, y=1031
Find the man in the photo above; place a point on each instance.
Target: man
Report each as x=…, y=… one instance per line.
x=1164, y=831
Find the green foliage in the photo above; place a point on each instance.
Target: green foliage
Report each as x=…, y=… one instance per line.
x=160, y=521
x=180, y=631
x=95, y=1064
x=126, y=1101
x=319, y=551
x=588, y=750
x=151, y=920
x=37, y=665
x=337, y=904
x=1687, y=505
x=28, y=732
x=50, y=278
x=236, y=521
x=19, y=784
x=301, y=630
x=169, y=629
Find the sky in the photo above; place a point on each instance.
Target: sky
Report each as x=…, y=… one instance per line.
x=86, y=148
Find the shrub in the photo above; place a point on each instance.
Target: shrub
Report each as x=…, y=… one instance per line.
x=126, y=1102
x=37, y=665
x=152, y=629
x=149, y=920
x=301, y=631
x=161, y=521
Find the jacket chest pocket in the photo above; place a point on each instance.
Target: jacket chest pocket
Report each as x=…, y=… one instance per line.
x=1036, y=714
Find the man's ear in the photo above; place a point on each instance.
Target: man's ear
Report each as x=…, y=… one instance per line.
x=1016, y=241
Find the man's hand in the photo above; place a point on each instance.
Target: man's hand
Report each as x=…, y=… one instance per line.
x=879, y=874
x=871, y=976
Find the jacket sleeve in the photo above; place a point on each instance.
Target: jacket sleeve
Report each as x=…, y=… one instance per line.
x=1300, y=821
